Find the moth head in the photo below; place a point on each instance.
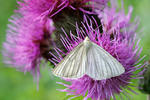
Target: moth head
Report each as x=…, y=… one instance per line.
x=86, y=39
x=87, y=42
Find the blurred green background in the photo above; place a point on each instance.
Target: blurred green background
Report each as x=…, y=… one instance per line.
x=15, y=85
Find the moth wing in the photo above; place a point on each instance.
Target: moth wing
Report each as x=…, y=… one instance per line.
x=73, y=65
x=102, y=65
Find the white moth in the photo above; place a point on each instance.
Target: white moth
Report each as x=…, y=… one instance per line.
x=90, y=59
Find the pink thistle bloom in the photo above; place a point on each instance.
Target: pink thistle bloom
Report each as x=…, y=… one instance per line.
x=26, y=43
x=125, y=50
x=114, y=19
x=40, y=8
x=49, y=8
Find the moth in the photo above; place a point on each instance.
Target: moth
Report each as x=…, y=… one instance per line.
x=89, y=59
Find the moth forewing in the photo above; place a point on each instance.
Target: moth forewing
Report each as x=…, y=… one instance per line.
x=73, y=65
x=102, y=65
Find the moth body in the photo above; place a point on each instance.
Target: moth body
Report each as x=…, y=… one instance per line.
x=87, y=43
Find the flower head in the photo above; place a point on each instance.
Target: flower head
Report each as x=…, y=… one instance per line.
x=49, y=8
x=115, y=19
x=26, y=43
x=121, y=48
x=37, y=8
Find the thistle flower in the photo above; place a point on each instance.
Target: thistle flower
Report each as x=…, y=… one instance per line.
x=39, y=8
x=26, y=43
x=120, y=48
x=114, y=19
x=49, y=8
